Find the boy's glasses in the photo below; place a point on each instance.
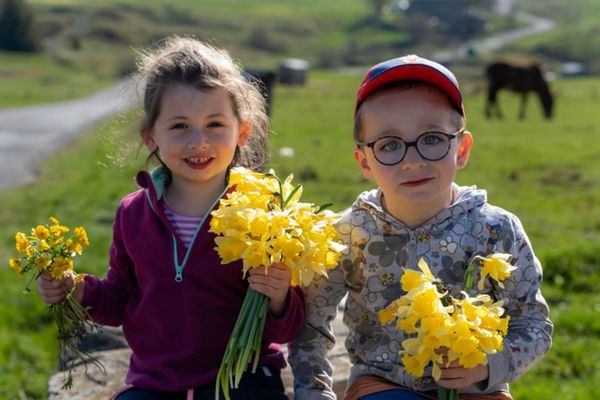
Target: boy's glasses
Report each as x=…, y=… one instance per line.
x=391, y=150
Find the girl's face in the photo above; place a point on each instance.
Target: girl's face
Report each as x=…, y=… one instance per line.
x=196, y=134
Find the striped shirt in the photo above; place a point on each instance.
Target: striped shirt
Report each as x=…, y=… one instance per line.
x=184, y=226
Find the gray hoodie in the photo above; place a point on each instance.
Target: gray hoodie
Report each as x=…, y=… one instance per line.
x=379, y=247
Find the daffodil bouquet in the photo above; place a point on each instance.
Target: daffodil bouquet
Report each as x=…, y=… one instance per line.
x=47, y=249
x=464, y=329
x=263, y=222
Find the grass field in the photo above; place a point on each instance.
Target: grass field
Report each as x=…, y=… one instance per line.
x=547, y=172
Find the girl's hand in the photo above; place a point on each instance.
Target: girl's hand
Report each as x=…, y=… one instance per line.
x=275, y=285
x=52, y=291
x=456, y=377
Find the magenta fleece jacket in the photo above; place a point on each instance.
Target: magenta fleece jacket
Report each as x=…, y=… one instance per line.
x=177, y=331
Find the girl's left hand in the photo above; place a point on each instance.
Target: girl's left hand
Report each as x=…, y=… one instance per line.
x=275, y=285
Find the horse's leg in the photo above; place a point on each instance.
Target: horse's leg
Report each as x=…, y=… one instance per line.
x=492, y=103
x=523, y=106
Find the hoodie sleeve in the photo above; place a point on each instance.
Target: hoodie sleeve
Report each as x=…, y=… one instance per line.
x=313, y=373
x=285, y=328
x=530, y=330
x=107, y=298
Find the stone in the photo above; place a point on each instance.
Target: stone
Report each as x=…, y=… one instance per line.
x=92, y=383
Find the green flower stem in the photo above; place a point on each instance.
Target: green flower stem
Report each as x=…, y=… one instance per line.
x=72, y=321
x=244, y=343
x=447, y=394
x=468, y=281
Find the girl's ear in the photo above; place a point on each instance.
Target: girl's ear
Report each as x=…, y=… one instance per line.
x=464, y=149
x=244, y=132
x=148, y=139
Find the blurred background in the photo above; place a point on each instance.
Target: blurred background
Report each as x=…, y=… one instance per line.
x=62, y=61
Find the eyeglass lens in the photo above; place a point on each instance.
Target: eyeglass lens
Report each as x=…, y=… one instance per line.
x=432, y=146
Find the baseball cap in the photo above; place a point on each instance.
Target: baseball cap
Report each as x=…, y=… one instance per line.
x=411, y=68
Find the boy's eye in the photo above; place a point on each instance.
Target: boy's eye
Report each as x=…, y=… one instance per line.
x=432, y=139
x=390, y=144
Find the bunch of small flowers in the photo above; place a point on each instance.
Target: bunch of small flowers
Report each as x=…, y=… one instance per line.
x=464, y=329
x=47, y=249
x=263, y=222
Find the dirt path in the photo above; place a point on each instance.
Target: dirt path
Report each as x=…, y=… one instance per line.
x=29, y=135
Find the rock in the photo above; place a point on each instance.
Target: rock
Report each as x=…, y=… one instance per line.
x=95, y=384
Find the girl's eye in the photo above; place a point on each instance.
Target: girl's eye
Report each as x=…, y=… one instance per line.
x=179, y=125
x=215, y=124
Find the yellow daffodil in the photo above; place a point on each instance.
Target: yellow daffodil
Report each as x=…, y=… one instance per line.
x=263, y=222
x=463, y=329
x=412, y=279
x=496, y=267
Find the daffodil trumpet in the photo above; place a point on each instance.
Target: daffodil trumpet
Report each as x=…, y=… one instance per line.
x=48, y=250
x=263, y=222
x=466, y=327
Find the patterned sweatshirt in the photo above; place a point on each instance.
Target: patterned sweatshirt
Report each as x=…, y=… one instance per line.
x=379, y=247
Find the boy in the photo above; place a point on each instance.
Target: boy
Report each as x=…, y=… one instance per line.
x=411, y=138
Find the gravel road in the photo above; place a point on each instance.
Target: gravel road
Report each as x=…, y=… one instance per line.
x=28, y=135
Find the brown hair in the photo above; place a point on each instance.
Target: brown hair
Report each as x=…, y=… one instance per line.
x=459, y=120
x=185, y=60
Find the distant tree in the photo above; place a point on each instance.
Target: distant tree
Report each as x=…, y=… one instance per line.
x=16, y=26
x=377, y=9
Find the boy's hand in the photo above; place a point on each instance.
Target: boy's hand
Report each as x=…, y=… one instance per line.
x=457, y=377
x=52, y=291
x=275, y=285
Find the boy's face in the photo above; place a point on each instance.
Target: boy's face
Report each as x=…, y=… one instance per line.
x=414, y=185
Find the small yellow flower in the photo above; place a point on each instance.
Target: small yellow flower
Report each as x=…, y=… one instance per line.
x=496, y=267
x=60, y=266
x=42, y=262
x=22, y=243
x=40, y=232
x=82, y=236
x=73, y=247
x=15, y=265
x=43, y=245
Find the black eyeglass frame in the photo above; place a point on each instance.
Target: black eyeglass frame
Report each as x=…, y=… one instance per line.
x=450, y=136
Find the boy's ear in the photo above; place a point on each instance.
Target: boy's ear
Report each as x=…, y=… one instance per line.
x=363, y=163
x=464, y=149
x=244, y=132
x=148, y=139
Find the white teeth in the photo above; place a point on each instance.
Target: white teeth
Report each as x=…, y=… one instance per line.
x=198, y=160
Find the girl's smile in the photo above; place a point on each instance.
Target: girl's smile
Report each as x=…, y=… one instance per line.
x=196, y=134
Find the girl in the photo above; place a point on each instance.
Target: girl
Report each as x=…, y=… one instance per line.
x=165, y=285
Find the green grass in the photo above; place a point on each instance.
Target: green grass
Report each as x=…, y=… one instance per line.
x=27, y=79
x=547, y=172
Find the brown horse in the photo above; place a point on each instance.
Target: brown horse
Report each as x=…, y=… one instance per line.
x=519, y=79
